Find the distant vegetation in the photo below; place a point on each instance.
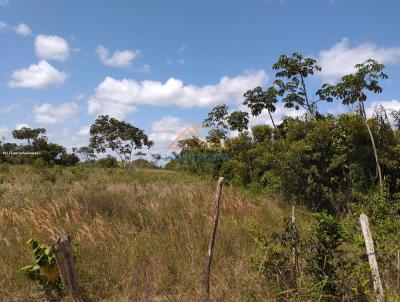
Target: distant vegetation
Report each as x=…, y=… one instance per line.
x=323, y=161
x=107, y=135
x=141, y=234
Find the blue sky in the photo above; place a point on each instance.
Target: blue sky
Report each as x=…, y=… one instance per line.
x=162, y=65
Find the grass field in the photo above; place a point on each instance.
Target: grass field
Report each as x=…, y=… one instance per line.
x=141, y=235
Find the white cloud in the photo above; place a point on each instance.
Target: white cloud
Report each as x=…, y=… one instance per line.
x=119, y=97
x=120, y=58
x=37, y=76
x=20, y=126
x=4, y=131
x=51, y=47
x=80, y=96
x=9, y=108
x=278, y=115
x=3, y=25
x=53, y=114
x=23, y=30
x=165, y=131
x=84, y=131
x=341, y=58
x=146, y=68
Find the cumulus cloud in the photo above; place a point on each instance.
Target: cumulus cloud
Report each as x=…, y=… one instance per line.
x=23, y=30
x=20, y=126
x=341, y=58
x=120, y=58
x=51, y=47
x=37, y=76
x=164, y=133
x=119, y=97
x=53, y=114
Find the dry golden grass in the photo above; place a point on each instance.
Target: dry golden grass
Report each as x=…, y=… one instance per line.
x=141, y=235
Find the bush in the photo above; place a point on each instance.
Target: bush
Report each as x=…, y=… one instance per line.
x=235, y=172
x=107, y=162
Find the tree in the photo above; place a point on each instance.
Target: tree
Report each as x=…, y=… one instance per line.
x=396, y=116
x=140, y=154
x=352, y=89
x=111, y=134
x=290, y=81
x=258, y=100
x=156, y=157
x=238, y=120
x=28, y=133
x=217, y=121
x=86, y=152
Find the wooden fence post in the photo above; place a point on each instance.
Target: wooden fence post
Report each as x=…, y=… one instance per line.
x=294, y=250
x=206, y=281
x=65, y=263
x=369, y=246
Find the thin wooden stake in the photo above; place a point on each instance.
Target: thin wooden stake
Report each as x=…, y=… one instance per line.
x=65, y=263
x=294, y=251
x=206, y=281
x=398, y=270
x=369, y=246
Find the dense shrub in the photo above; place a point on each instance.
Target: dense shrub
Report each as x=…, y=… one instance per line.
x=325, y=163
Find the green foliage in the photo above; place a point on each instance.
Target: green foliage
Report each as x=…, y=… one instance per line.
x=235, y=172
x=44, y=270
x=290, y=81
x=216, y=121
x=258, y=100
x=86, y=152
x=350, y=89
x=118, y=136
x=238, y=120
x=28, y=133
x=107, y=162
x=324, y=255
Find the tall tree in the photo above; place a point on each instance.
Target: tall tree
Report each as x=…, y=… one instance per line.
x=238, y=120
x=86, y=152
x=290, y=81
x=353, y=88
x=217, y=121
x=258, y=100
x=28, y=133
x=111, y=134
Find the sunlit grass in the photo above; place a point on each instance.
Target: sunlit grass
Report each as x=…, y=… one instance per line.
x=141, y=235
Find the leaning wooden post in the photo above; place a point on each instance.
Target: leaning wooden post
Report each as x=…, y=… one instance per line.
x=206, y=281
x=369, y=246
x=65, y=263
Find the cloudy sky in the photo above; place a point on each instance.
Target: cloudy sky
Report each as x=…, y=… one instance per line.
x=161, y=65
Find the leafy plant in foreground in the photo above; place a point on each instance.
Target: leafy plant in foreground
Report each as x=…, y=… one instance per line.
x=44, y=270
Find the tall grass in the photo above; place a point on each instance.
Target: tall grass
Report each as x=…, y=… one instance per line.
x=141, y=234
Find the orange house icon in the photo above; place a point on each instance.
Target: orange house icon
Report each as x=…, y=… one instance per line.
x=186, y=133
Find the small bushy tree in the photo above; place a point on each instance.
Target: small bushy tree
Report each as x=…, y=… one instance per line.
x=120, y=137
